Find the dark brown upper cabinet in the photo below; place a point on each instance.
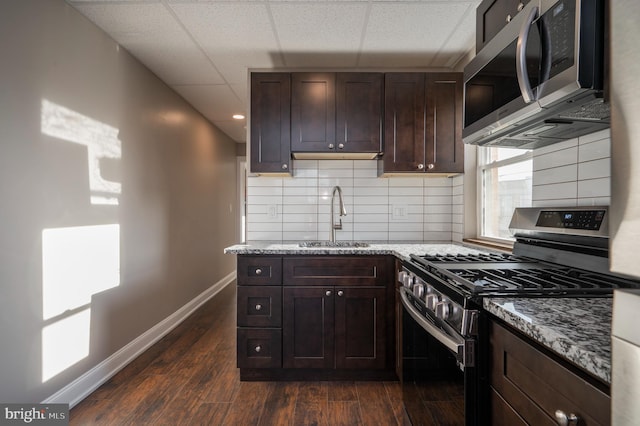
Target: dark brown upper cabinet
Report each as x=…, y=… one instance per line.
x=270, y=145
x=492, y=16
x=336, y=113
x=423, y=123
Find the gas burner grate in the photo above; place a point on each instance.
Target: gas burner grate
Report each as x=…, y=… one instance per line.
x=542, y=280
x=471, y=258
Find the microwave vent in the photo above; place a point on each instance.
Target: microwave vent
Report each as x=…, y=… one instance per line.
x=596, y=110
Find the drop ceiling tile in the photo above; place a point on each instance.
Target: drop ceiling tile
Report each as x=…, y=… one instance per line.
x=461, y=40
x=216, y=102
x=235, y=35
x=151, y=34
x=319, y=34
x=236, y=130
x=409, y=34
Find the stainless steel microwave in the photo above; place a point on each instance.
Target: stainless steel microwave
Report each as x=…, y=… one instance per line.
x=540, y=80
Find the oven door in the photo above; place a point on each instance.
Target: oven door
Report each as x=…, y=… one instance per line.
x=438, y=373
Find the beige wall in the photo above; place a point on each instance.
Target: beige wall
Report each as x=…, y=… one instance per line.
x=84, y=126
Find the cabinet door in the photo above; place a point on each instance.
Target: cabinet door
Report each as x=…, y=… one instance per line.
x=270, y=123
x=313, y=112
x=307, y=327
x=444, y=146
x=359, y=112
x=360, y=327
x=404, y=123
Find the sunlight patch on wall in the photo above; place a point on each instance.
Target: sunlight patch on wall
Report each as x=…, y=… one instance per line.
x=101, y=140
x=77, y=263
x=64, y=343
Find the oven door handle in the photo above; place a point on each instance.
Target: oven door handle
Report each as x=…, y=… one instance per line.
x=455, y=345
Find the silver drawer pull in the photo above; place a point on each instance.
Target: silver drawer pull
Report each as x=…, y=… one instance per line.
x=430, y=166
x=258, y=307
x=258, y=271
x=258, y=348
x=328, y=293
x=564, y=419
x=340, y=292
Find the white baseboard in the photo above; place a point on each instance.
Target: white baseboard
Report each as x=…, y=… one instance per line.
x=81, y=387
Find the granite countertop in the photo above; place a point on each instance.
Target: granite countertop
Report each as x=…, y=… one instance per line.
x=400, y=250
x=577, y=329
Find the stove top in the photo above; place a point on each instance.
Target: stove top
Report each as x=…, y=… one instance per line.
x=507, y=274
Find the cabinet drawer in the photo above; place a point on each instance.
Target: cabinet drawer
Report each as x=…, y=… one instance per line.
x=259, y=270
x=259, y=306
x=259, y=348
x=536, y=385
x=338, y=270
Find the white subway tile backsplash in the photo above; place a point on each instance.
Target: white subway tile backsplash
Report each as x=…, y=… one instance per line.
x=594, y=188
x=555, y=159
x=559, y=146
x=437, y=236
x=438, y=191
x=603, y=134
x=594, y=150
x=594, y=169
x=561, y=174
x=555, y=191
x=595, y=201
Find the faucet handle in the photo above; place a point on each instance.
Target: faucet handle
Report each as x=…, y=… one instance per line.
x=338, y=225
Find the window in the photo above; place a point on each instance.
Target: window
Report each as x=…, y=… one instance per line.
x=504, y=184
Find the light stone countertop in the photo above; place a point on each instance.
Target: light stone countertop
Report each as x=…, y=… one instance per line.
x=577, y=329
x=400, y=250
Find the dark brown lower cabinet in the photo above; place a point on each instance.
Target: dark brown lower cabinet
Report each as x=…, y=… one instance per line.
x=529, y=387
x=316, y=317
x=334, y=327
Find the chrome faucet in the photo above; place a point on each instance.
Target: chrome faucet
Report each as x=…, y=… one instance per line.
x=343, y=212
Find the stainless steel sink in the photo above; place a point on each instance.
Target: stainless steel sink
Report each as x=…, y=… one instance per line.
x=346, y=244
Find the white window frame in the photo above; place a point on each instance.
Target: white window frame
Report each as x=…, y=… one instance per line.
x=484, y=165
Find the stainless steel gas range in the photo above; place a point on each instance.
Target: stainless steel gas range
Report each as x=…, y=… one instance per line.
x=559, y=252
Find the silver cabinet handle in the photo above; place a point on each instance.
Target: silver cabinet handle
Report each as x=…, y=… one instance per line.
x=520, y=6
x=331, y=146
x=430, y=166
x=285, y=166
x=564, y=419
x=258, y=307
x=340, y=292
x=508, y=19
x=258, y=348
x=340, y=145
x=328, y=293
x=420, y=166
x=258, y=271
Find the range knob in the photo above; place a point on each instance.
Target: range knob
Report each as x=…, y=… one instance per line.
x=443, y=309
x=432, y=300
x=418, y=290
x=409, y=280
x=401, y=276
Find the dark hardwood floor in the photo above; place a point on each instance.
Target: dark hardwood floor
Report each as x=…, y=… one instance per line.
x=190, y=378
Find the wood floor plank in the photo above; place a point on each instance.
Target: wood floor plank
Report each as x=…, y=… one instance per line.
x=342, y=391
x=343, y=413
x=313, y=392
x=153, y=395
x=311, y=413
x=244, y=413
x=209, y=414
x=279, y=407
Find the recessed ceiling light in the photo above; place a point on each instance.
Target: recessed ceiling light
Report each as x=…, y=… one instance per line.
x=238, y=116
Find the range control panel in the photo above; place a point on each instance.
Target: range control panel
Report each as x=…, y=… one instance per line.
x=576, y=219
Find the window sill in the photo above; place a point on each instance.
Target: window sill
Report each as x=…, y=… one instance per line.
x=506, y=247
